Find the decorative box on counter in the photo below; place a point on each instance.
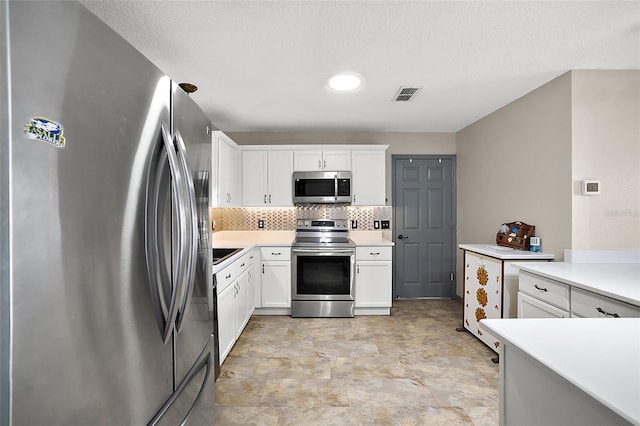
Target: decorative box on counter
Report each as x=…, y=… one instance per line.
x=515, y=235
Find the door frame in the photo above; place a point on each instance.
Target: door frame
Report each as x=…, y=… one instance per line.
x=454, y=213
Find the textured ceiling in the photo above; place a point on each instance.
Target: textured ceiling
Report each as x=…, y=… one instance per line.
x=263, y=65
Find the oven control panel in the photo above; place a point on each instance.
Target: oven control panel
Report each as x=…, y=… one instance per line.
x=322, y=224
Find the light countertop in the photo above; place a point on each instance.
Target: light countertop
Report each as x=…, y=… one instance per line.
x=620, y=281
x=505, y=253
x=250, y=239
x=598, y=355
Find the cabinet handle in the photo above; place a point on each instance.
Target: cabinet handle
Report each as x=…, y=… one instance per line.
x=358, y=269
x=374, y=254
x=319, y=164
x=242, y=266
x=250, y=257
x=269, y=198
x=265, y=198
x=599, y=309
x=324, y=165
x=263, y=268
x=540, y=288
x=276, y=254
x=227, y=277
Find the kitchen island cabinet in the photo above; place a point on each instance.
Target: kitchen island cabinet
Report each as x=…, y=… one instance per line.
x=596, y=290
x=568, y=371
x=491, y=285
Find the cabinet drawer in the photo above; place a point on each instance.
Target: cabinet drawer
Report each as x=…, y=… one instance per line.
x=553, y=292
x=275, y=253
x=531, y=307
x=373, y=253
x=590, y=305
x=245, y=261
x=226, y=276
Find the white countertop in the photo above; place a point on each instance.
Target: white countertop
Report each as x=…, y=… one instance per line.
x=600, y=356
x=505, y=253
x=620, y=281
x=250, y=239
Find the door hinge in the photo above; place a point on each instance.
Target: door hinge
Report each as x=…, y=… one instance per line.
x=453, y=226
x=452, y=174
x=452, y=276
x=208, y=130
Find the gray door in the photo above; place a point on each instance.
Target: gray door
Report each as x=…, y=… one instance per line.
x=424, y=226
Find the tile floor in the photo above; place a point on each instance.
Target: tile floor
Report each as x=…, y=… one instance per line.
x=409, y=368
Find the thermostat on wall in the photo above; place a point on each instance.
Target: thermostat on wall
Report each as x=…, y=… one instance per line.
x=590, y=187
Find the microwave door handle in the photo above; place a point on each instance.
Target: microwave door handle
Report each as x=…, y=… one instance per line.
x=335, y=183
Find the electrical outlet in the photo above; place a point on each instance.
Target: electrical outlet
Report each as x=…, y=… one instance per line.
x=376, y=224
x=385, y=224
x=354, y=224
x=261, y=224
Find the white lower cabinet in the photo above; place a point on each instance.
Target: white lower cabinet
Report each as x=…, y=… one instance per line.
x=373, y=278
x=540, y=297
x=530, y=307
x=585, y=304
x=275, y=277
x=235, y=302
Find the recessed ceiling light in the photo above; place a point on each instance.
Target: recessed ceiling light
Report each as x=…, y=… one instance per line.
x=346, y=82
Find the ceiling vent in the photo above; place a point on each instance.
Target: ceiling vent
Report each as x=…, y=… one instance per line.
x=406, y=93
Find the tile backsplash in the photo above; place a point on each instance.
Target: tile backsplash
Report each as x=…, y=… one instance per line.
x=284, y=218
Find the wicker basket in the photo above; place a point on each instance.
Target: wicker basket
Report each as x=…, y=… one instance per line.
x=517, y=237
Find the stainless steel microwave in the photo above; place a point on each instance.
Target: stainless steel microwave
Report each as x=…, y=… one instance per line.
x=321, y=187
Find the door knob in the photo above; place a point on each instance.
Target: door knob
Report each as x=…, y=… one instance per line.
x=402, y=237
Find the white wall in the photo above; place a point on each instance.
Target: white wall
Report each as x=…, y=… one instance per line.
x=515, y=164
x=399, y=143
x=606, y=147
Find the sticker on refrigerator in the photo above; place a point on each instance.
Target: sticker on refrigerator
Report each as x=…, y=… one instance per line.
x=45, y=130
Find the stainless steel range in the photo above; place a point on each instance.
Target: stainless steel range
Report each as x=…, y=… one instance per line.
x=323, y=269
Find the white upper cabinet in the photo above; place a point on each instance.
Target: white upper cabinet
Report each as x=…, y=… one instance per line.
x=225, y=187
x=266, y=178
x=368, y=172
x=331, y=160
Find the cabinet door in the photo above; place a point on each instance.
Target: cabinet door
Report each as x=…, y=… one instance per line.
x=368, y=178
x=373, y=284
x=280, y=185
x=482, y=295
x=276, y=284
x=226, y=320
x=530, y=307
x=254, y=178
x=242, y=302
x=336, y=160
x=307, y=161
x=226, y=173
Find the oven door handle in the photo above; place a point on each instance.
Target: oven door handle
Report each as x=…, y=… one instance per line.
x=323, y=250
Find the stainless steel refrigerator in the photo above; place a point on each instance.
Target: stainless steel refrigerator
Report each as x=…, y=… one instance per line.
x=105, y=250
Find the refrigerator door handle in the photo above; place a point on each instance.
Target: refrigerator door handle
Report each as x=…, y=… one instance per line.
x=191, y=219
x=203, y=361
x=165, y=312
